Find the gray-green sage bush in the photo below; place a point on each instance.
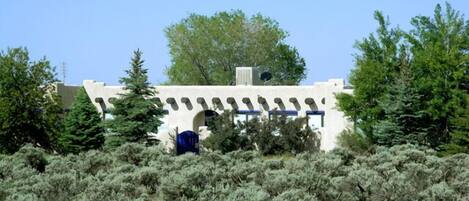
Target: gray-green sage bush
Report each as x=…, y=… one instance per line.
x=136, y=172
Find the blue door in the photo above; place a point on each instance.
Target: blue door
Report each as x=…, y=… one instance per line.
x=187, y=141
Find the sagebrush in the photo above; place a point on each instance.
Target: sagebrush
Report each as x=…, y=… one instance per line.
x=136, y=172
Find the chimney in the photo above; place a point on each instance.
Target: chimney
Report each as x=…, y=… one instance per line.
x=247, y=76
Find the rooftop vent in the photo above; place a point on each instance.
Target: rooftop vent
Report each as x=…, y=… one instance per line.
x=247, y=76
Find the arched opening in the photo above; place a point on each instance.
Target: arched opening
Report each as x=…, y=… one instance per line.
x=202, y=120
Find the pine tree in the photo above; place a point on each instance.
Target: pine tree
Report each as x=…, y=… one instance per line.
x=83, y=128
x=404, y=116
x=459, y=142
x=135, y=112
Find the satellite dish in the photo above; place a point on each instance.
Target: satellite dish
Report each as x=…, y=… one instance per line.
x=266, y=76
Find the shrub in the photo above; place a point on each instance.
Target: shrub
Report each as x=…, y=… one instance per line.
x=249, y=191
x=92, y=162
x=34, y=157
x=354, y=141
x=226, y=136
x=295, y=195
x=404, y=172
x=130, y=153
x=275, y=136
x=149, y=178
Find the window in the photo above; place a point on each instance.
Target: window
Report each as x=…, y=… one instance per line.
x=164, y=127
x=290, y=114
x=242, y=116
x=315, y=119
x=245, y=115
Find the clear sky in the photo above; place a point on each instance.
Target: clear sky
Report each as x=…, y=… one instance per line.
x=95, y=39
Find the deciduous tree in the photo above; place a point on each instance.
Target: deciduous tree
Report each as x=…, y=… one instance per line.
x=206, y=49
x=377, y=65
x=29, y=109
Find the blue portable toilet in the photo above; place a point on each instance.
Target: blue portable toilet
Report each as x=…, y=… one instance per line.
x=187, y=141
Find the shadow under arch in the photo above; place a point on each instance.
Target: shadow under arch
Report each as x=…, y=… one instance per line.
x=203, y=118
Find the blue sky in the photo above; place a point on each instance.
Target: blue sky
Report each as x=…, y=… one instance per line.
x=95, y=39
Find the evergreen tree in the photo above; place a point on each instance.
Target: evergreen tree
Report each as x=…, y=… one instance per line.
x=83, y=129
x=29, y=109
x=459, y=142
x=135, y=112
x=404, y=116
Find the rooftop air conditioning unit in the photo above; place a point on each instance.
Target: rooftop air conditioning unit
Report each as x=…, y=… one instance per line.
x=247, y=76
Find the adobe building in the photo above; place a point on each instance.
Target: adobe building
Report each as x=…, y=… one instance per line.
x=186, y=107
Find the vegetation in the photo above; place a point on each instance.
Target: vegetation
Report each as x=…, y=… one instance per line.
x=225, y=135
x=460, y=137
x=411, y=97
x=83, y=127
x=135, y=172
x=28, y=113
x=205, y=50
x=411, y=87
x=278, y=135
x=354, y=142
x=135, y=112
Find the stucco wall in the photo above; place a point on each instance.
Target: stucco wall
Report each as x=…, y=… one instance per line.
x=182, y=115
x=67, y=93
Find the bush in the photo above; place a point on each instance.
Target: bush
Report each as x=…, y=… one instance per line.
x=275, y=136
x=34, y=157
x=135, y=172
x=130, y=153
x=226, y=136
x=281, y=135
x=354, y=141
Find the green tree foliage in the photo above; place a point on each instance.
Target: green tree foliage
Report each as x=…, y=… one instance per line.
x=355, y=142
x=405, y=119
x=389, y=110
x=149, y=173
x=460, y=136
x=83, y=128
x=376, y=68
x=29, y=108
x=440, y=48
x=226, y=136
x=276, y=136
x=283, y=135
x=206, y=49
x=135, y=112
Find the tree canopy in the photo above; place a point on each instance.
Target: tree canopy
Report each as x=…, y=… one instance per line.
x=432, y=100
x=206, y=49
x=29, y=108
